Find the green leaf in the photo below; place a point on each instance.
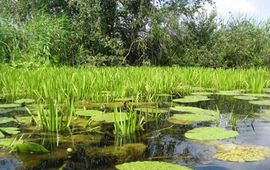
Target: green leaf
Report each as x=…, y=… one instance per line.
x=202, y=93
x=6, y=120
x=246, y=97
x=261, y=102
x=191, y=99
x=187, y=119
x=241, y=153
x=9, y=106
x=194, y=110
x=151, y=110
x=10, y=130
x=108, y=117
x=88, y=113
x=26, y=101
x=148, y=165
x=210, y=133
x=229, y=93
x=29, y=147
x=1, y=135
x=10, y=142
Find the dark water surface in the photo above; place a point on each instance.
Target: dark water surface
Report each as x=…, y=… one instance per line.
x=99, y=150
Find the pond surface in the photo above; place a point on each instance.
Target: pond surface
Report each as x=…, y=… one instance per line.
x=159, y=141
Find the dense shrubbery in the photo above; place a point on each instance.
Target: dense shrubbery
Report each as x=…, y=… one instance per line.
x=127, y=33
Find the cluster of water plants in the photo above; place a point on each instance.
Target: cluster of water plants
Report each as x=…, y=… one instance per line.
x=109, y=123
x=141, y=83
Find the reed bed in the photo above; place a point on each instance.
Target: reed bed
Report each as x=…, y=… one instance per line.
x=107, y=83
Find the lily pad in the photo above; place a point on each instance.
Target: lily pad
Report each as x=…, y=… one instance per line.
x=10, y=130
x=264, y=114
x=151, y=110
x=202, y=93
x=147, y=165
x=9, y=141
x=6, y=120
x=229, y=93
x=194, y=110
x=128, y=99
x=256, y=95
x=9, y=106
x=191, y=99
x=210, y=133
x=107, y=117
x=245, y=97
x=25, y=101
x=261, y=102
x=187, y=119
x=30, y=147
x=241, y=153
x=87, y=113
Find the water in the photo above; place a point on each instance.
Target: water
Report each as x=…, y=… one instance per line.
x=98, y=150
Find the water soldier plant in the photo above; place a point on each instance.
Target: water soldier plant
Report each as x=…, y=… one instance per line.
x=127, y=124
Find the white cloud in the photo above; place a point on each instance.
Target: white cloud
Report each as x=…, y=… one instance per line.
x=225, y=8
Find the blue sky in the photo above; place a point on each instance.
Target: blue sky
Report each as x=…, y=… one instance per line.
x=253, y=8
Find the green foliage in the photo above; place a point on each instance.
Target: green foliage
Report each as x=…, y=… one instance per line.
x=30, y=147
x=210, y=133
x=241, y=153
x=141, y=82
x=127, y=124
x=145, y=165
x=56, y=118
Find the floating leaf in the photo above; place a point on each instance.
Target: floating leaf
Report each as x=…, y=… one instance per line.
x=26, y=119
x=191, y=99
x=210, y=133
x=264, y=114
x=202, y=93
x=241, y=153
x=194, y=110
x=9, y=106
x=229, y=93
x=6, y=120
x=151, y=110
x=246, y=97
x=261, y=102
x=29, y=147
x=128, y=99
x=10, y=130
x=25, y=101
x=187, y=119
x=10, y=142
x=148, y=165
x=108, y=117
x=87, y=113
x=256, y=95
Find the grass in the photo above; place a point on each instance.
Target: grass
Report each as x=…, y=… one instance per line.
x=127, y=127
x=107, y=83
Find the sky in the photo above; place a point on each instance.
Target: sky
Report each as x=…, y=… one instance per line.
x=260, y=9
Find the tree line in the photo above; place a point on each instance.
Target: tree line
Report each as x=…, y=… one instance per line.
x=128, y=32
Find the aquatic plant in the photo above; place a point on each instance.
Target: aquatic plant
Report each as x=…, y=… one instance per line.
x=90, y=84
x=127, y=124
x=241, y=153
x=146, y=165
x=210, y=133
x=56, y=117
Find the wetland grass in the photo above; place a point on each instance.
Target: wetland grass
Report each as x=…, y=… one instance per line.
x=140, y=83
